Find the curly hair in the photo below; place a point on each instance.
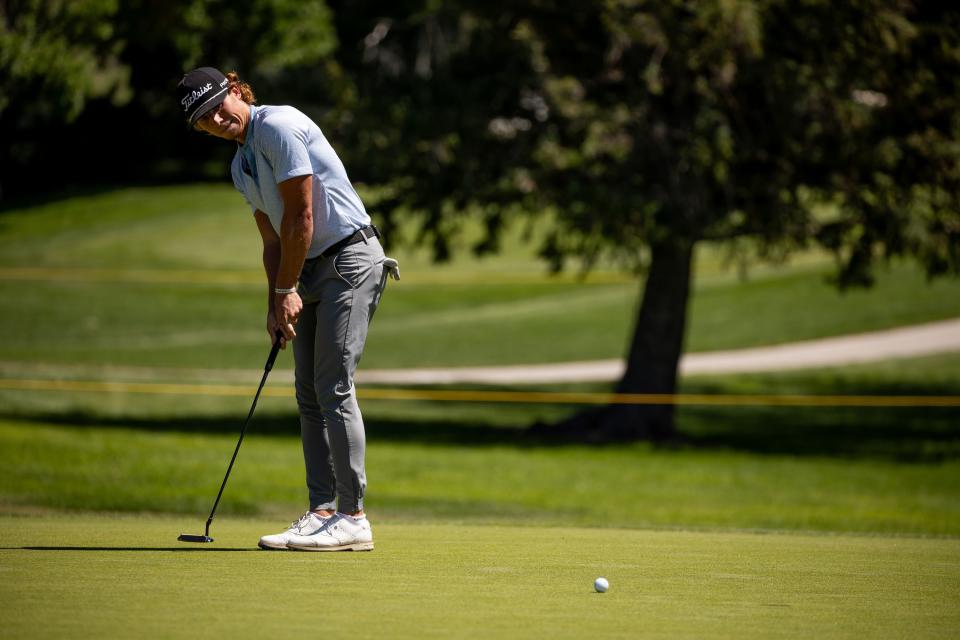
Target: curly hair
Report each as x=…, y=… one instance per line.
x=246, y=92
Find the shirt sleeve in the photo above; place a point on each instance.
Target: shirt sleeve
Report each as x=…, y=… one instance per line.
x=238, y=183
x=284, y=143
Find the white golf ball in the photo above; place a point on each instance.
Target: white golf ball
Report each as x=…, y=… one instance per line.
x=601, y=585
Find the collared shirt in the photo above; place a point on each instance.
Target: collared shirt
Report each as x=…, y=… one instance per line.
x=283, y=143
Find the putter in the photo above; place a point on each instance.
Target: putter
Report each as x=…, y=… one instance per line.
x=186, y=537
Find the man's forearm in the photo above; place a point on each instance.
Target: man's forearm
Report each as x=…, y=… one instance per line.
x=296, y=233
x=271, y=264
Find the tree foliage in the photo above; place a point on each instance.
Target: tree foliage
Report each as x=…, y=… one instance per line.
x=431, y=81
x=55, y=55
x=791, y=122
x=76, y=73
x=642, y=127
x=650, y=126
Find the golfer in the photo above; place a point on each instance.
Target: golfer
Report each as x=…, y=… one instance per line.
x=325, y=274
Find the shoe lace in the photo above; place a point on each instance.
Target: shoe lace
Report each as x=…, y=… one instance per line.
x=302, y=522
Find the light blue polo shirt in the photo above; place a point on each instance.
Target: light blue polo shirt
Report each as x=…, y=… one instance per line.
x=283, y=143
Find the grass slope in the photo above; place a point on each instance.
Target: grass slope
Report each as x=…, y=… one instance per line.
x=171, y=277
x=111, y=577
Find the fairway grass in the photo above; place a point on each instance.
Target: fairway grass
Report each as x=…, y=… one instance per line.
x=125, y=576
x=171, y=277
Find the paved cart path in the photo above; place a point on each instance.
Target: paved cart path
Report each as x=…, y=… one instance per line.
x=902, y=342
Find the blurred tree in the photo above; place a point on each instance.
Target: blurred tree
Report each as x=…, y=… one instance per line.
x=54, y=56
x=429, y=78
x=76, y=73
x=650, y=126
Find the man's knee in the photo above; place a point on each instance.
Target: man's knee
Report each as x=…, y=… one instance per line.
x=333, y=397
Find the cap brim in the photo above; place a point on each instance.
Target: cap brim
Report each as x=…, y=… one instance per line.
x=209, y=105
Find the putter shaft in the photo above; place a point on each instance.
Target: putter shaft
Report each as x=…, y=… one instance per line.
x=266, y=371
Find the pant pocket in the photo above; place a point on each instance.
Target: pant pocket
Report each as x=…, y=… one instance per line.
x=353, y=266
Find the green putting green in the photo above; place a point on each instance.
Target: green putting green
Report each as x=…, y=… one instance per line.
x=123, y=576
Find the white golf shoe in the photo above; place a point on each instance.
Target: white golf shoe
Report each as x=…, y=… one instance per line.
x=308, y=523
x=339, y=533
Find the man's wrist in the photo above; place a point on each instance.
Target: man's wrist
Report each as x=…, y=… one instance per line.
x=284, y=290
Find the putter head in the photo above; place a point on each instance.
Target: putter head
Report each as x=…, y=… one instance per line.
x=186, y=537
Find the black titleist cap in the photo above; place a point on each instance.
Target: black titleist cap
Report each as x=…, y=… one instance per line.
x=200, y=91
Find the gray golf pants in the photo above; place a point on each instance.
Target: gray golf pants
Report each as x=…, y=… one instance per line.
x=340, y=295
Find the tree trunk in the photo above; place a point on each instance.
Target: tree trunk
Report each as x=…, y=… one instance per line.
x=652, y=361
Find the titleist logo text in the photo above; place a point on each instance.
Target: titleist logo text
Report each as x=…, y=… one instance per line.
x=194, y=95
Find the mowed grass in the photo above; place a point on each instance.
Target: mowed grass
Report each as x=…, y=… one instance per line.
x=125, y=286
x=171, y=277
x=764, y=522
x=114, y=469
x=835, y=469
x=426, y=580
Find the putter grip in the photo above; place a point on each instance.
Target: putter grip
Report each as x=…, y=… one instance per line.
x=273, y=352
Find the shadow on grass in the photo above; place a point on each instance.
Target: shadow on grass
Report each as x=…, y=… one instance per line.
x=439, y=432
x=908, y=434
x=902, y=434
x=174, y=549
